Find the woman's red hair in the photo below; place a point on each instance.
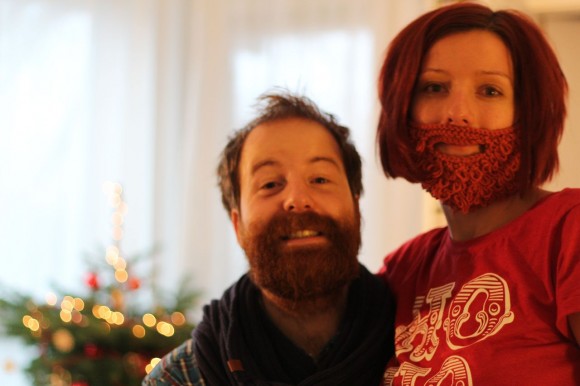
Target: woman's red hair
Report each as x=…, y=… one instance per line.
x=540, y=87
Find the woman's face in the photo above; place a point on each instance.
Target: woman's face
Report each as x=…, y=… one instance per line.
x=466, y=80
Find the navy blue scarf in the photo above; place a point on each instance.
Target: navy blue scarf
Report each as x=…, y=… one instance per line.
x=237, y=344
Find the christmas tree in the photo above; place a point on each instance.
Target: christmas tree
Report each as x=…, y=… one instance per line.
x=104, y=336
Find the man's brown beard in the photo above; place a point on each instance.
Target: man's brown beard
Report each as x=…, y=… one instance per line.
x=302, y=273
x=475, y=181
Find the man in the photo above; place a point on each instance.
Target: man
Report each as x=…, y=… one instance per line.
x=307, y=313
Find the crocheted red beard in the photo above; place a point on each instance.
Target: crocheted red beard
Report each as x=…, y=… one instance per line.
x=465, y=183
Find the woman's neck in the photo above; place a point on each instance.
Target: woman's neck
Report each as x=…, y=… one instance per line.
x=479, y=222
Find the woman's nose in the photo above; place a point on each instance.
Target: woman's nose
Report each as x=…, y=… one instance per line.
x=459, y=111
x=458, y=121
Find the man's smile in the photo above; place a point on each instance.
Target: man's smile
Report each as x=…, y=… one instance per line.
x=304, y=237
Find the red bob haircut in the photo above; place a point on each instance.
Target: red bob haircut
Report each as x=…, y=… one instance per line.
x=540, y=87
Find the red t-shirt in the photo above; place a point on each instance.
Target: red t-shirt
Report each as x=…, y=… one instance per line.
x=492, y=310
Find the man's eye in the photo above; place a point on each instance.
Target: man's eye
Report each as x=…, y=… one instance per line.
x=320, y=180
x=269, y=185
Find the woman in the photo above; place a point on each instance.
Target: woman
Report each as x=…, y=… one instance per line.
x=473, y=106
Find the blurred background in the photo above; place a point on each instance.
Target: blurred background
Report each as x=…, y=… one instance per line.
x=138, y=97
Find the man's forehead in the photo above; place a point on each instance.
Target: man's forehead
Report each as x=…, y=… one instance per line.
x=275, y=142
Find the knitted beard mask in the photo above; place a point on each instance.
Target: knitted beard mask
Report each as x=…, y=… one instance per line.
x=467, y=182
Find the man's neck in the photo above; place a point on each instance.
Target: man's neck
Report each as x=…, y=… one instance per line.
x=309, y=324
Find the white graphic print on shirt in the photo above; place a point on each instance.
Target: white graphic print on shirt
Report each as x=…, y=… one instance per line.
x=478, y=311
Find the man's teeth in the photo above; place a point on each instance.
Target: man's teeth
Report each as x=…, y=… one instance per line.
x=302, y=234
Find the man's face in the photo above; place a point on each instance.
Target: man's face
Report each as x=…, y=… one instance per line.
x=297, y=222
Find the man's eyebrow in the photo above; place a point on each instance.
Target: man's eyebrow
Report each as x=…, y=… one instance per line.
x=262, y=164
x=332, y=160
x=272, y=162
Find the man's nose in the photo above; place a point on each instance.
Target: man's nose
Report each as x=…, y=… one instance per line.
x=298, y=198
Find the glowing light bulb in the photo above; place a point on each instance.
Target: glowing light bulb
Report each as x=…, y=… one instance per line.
x=121, y=276
x=117, y=219
x=51, y=299
x=154, y=362
x=65, y=316
x=178, y=318
x=117, y=233
x=26, y=319
x=67, y=304
x=149, y=320
x=112, y=255
x=104, y=312
x=165, y=329
x=139, y=331
x=120, y=264
x=79, y=304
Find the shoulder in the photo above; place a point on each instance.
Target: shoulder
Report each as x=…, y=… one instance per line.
x=179, y=367
x=566, y=203
x=419, y=245
x=570, y=193
x=562, y=201
x=551, y=212
x=413, y=252
x=560, y=213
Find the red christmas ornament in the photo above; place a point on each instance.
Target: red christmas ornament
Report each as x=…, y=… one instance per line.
x=92, y=351
x=136, y=363
x=134, y=283
x=92, y=280
x=79, y=383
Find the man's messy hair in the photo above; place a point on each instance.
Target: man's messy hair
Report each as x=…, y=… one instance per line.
x=281, y=105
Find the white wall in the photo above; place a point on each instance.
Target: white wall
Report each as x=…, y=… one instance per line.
x=564, y=32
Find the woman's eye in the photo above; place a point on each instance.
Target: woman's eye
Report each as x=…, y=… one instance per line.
x=491, y=91
x=433, y=88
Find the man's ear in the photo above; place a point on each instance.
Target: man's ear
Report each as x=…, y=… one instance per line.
x=356, y=201
x=235, y=218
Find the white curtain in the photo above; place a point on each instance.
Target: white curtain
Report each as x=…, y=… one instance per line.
x=145, y=93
